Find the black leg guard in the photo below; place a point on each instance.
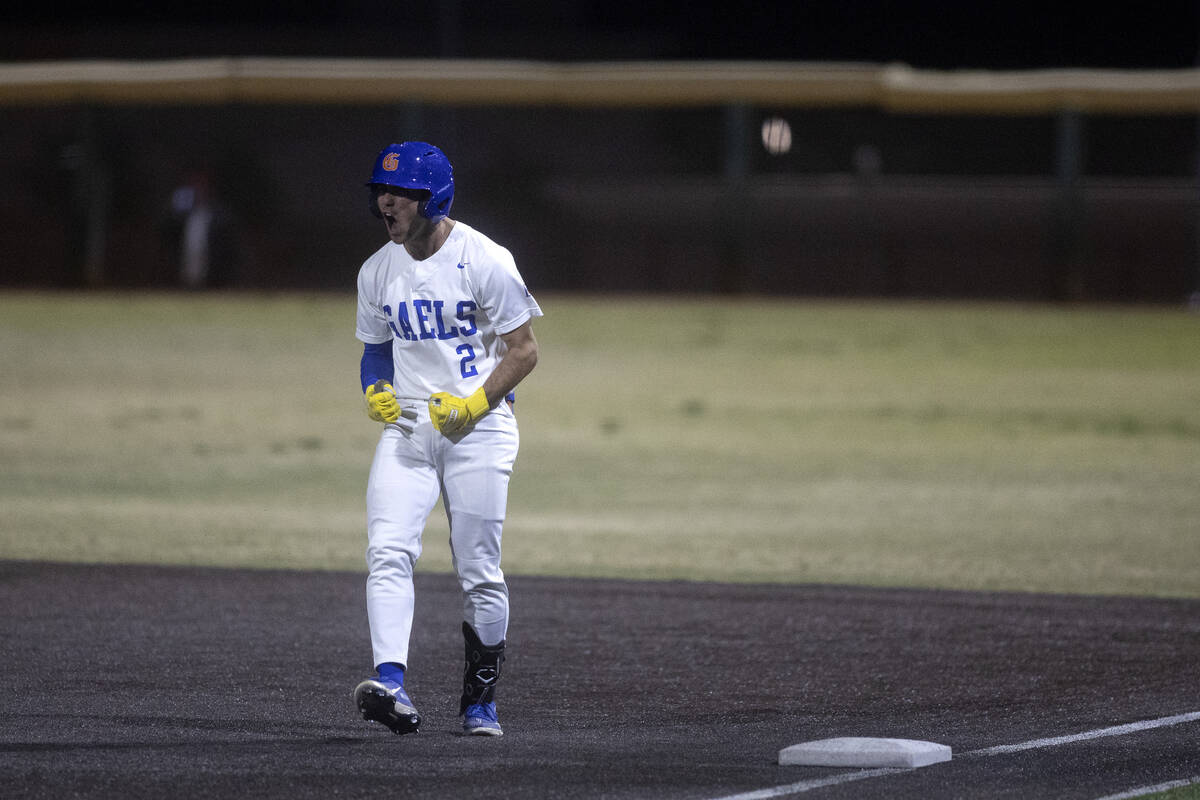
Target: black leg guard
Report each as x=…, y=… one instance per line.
x=482, y=670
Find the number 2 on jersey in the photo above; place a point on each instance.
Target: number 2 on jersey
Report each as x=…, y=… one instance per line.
x=464, y=365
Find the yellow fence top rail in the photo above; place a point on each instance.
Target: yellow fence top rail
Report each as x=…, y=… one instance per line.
x=894, y=87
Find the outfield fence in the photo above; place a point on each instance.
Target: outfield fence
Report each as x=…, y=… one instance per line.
x=798, y=178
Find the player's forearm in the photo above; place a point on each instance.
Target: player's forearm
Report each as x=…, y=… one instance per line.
x=376, y=364
x=518, y=362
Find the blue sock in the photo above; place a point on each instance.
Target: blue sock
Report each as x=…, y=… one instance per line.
x=391, y=671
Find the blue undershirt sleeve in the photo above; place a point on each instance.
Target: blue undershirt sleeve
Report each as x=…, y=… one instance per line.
x=376, y=364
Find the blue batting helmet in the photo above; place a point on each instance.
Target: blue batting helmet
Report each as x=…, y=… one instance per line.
x=417, y=165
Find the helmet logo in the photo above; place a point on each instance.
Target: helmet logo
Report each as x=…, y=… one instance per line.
x=391, y=161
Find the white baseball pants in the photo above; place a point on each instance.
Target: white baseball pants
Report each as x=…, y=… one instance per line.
x=470, y=472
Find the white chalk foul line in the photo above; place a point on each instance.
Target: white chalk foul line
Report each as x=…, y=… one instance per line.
x=1118, y=730
x=1142, y=791
x=815, y=783
x=847, y=777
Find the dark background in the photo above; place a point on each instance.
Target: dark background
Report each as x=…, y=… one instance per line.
x=866, y=202
x=942, y=35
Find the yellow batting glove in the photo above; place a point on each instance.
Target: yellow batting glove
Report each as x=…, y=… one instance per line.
x=381, y=402
x=450, y=414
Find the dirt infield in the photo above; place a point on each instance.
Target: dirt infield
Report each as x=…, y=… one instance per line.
x=127, y=681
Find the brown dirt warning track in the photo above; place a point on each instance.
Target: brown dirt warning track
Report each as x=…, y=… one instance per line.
x=132, y=681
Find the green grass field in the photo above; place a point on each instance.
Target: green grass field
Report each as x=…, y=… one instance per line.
x=977, y=446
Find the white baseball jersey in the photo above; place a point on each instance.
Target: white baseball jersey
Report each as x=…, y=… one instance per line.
x=443, y=315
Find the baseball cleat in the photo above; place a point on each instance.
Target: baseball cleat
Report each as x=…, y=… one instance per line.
x=387, y=703
x=480, y=720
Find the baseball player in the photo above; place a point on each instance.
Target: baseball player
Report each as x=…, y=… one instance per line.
x=446, y=325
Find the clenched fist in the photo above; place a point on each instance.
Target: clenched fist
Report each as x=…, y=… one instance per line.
x=381, y=402
x=450, y=414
